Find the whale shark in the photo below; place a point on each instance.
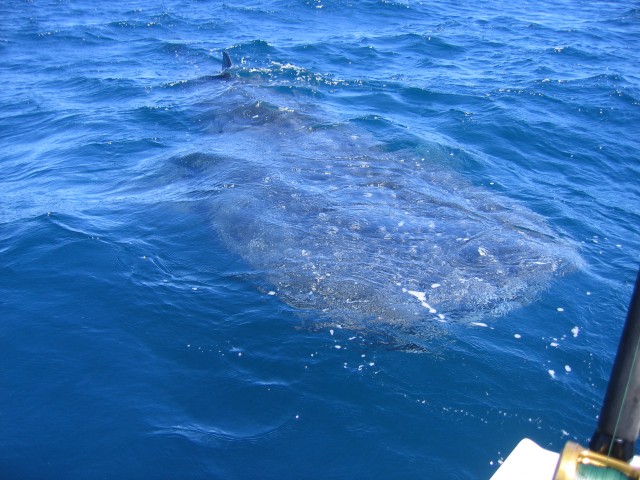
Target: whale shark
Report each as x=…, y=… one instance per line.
x=362, y=233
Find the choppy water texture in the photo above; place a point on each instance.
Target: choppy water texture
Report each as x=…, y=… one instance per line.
x=391, y=241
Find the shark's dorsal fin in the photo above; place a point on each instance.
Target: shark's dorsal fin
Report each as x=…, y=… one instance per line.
x=226, y=61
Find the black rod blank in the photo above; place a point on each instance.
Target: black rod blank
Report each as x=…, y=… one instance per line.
x=619, y=422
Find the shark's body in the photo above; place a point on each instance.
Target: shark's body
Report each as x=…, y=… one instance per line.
x=336, y=227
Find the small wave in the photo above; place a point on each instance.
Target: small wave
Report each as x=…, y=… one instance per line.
x=101, y=90
x=254, y=47
x=425, y=44
x=161, y=20
x=180, y=49
x=253, y=10
x=209, y=434
x=573, y=51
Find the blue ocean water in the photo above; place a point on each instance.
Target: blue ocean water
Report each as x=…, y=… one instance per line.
x=395, y=238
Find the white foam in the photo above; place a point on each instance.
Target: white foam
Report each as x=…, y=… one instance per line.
x=426, y=305
x=479, y=324
x=422, y=296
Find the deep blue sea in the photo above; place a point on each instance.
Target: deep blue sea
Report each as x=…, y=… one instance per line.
x=392, y=240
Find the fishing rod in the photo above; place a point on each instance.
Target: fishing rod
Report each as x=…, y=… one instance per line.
x=613, y=443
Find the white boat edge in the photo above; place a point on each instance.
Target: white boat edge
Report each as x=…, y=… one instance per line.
x=529, y=461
